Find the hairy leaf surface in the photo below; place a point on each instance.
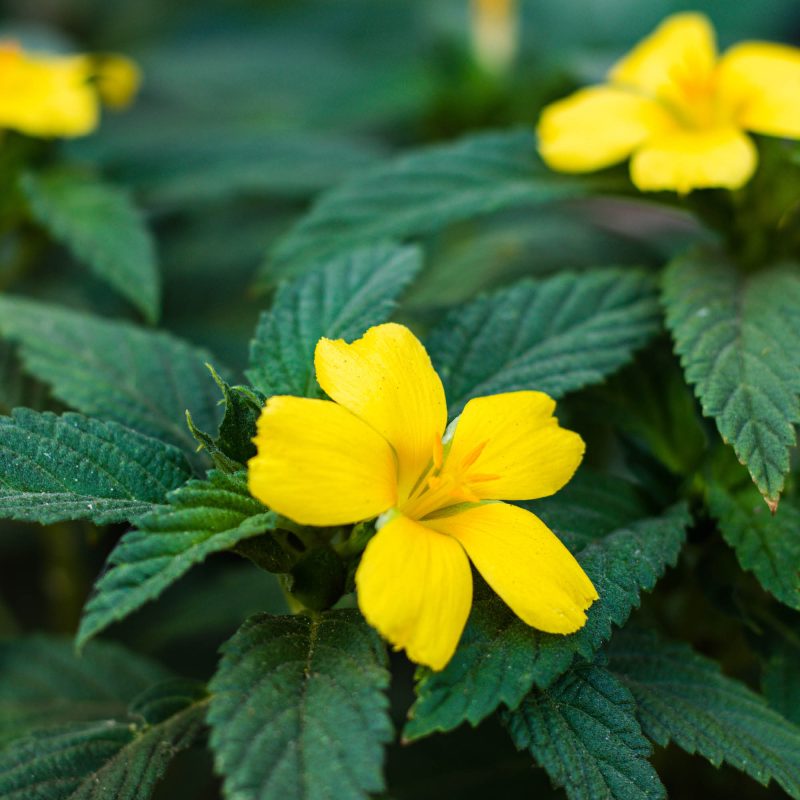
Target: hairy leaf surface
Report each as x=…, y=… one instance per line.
x=203, y=517
x=736, y=337
x=767, y=544
x=108, y=759
x=583, y=731
x=298, y=709
x=43, y=682
x=682, y=697
x=554, y=335
x=16, y=388
x=500, y=658
x=102, y=228
x=72, y=467
x=339, y=300
x=781, y=682
x=143, y=379
x=423, y=192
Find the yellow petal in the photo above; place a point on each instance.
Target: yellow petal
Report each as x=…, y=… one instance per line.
x=683, y=47
x=597, y=127
x=319, y=465
x=686, y=160
x=525, y=563
x=386, y=378
x=46, y=95
x=762, y=82
x=415, y=587
x=117, y=79
x=522, y=452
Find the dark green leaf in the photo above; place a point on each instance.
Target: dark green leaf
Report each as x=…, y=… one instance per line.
x=504, y=247
x=499, y=657
x=110, y=759
x=298, y=709
x=554, y=335
x=203, y=517
x=73, y=467
x=100, y=225
x=422, y=192
x=592, y=505
x=767, y=544
x=781, y=682
x=682, y=697
x=735, y=335
x=233, y=445
x=583, y=731
x=17, y=388
x=650, y=401
x=340, y=300
x=182, y=167
x=231, y=592
x=113, y=370
x=43, y=682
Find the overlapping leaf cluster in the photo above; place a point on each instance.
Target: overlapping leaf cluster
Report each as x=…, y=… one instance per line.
x=298, y=706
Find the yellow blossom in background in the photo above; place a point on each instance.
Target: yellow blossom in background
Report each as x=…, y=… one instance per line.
x=117, y=79
x=59, y=95
x=379, y=448
x=495, y=33
x=678, y=110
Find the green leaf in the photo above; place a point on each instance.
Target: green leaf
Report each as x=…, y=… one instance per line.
x=735, y=335
x=17, y=388
x=592, y=505
x=203, y=517
x=109, y=759
x=73, y=467
x=781, y=682
x=682, y=697
x=650, y=401
x=113, y=370
x=766, y=544
x=553, y=335
x=102, y=228
x=340, y=300
x=583, y=731
x=481, y=255
x=43, y=682
x=423, y=192
x=298, y=708
x=499, y=657
x=233, y=445
x=181, y=168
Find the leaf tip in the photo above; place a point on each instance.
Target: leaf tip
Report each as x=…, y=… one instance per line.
x=772, y=504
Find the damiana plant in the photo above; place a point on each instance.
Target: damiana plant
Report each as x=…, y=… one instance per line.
x=288, y=568
x=381, y=449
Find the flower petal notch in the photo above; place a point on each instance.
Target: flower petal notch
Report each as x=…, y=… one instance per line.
x=47, y=96
x=379, y=448
x=678, y=110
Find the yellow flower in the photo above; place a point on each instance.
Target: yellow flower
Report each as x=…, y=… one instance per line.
x=381, y=449
x=495, y=33
x=55, y=95
x=679, y=110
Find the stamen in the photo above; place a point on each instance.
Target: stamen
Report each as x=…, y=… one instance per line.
x=438, y=454
x=465, y=494
x=482, y=477
x=473, y=455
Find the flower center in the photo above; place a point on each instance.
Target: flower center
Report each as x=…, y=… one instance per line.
x=695, y=100
x=444, y=483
